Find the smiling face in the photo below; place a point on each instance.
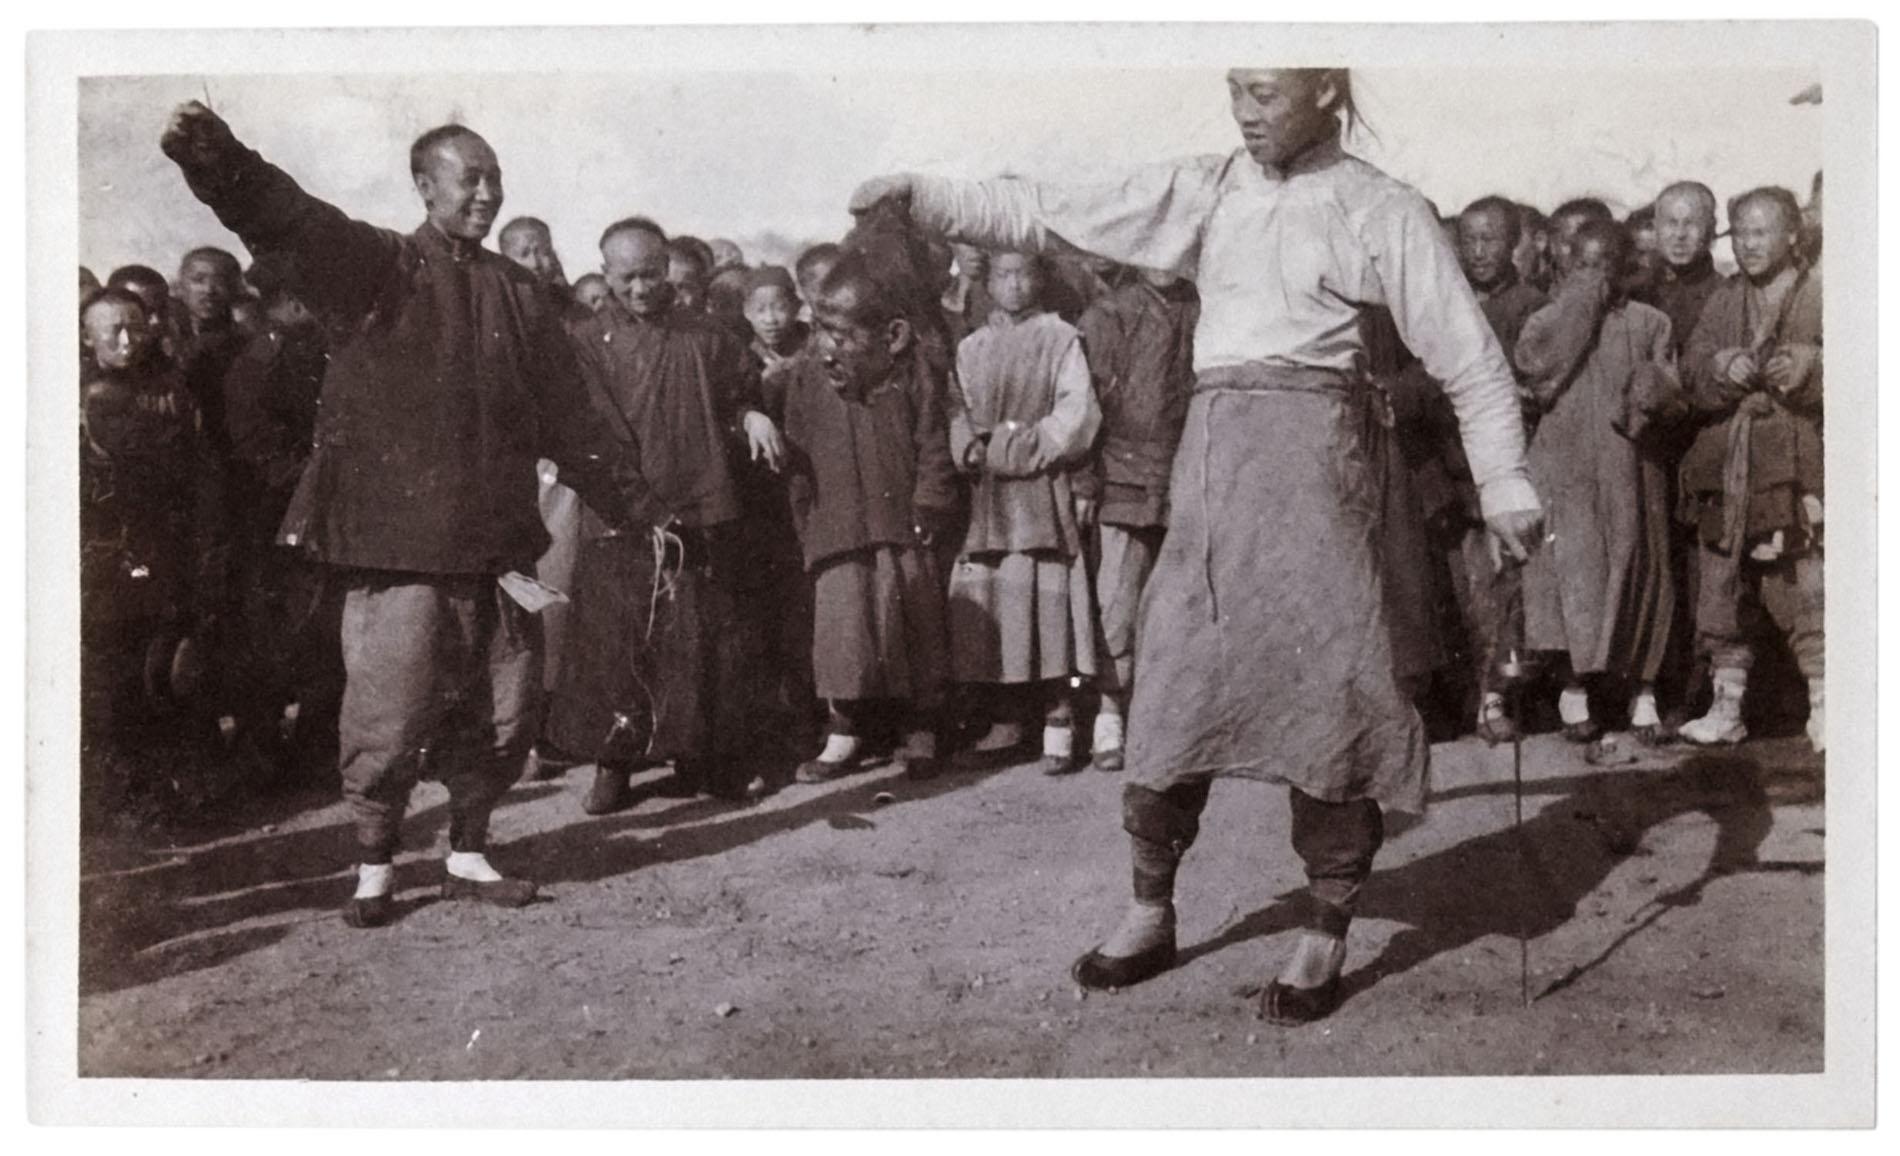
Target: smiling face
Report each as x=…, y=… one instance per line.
x=1484, y=245
x=1763, y=238
x=633, y=261
x=1281, y=112
x=460, y=186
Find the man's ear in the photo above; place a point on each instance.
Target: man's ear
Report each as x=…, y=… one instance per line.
x=1326, y=93
x=897, y=335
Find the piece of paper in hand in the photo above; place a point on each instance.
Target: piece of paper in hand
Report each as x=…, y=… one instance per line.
x=533, y=595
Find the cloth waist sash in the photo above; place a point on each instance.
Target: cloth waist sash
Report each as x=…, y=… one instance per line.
x=1260, y=377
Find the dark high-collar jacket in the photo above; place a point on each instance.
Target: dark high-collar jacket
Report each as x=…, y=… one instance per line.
x=673, y=391
x=1681, y=293
x=1140, y=346
x=450, y=375
x=865, y=471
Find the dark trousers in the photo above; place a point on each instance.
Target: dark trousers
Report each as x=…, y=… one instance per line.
x=443, y=675
x=1336, y=842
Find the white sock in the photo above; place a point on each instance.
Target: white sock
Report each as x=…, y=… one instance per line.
x=1108, y=732
x=839, y=749
x=1058, y=742
x=1573, y=705
x=1643, y=709
x=375, y=880
x=472, y=865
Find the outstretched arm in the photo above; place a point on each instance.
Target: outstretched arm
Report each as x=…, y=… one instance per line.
x=338, y=266
x=1152, y=219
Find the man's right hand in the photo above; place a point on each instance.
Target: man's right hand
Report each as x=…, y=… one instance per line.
x=195, y=135
x=877, y=190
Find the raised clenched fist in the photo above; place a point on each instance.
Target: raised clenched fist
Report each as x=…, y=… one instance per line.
x=195, y=134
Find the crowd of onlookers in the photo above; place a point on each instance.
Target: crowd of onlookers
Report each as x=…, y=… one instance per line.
x=907, y=494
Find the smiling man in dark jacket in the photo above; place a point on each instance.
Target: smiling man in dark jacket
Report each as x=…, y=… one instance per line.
x=450, y=375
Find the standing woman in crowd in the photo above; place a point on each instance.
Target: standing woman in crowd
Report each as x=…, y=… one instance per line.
x=1263, y=648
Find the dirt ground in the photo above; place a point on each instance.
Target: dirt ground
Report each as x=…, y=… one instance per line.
x=876, y=927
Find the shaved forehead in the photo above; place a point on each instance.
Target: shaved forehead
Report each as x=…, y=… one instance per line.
x=633, y=248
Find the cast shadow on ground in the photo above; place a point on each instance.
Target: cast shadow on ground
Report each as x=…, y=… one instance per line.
x=591, y=851
x=1450, y=899
x=140, y=925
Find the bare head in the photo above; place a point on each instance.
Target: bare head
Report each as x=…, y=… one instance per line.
x=1564, y=223
x=112, y=326
x=528, y=242
x=687, y=268
x=591, y=291
x=1488, y=232
x=725, y=255
x=1763, y=225
x=861, y=330
x=812, y=266
x=1685, y=222
x=633, y=261
x=771, y=306
x=1282, y=112
x=459, y=180
x=1015, y=282
x=209, y=282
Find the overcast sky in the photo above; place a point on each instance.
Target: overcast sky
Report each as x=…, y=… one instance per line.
x=741, y=155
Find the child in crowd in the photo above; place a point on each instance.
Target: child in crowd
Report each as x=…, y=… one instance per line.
x=1022, y=418
x=153, y=529
x=1601, y=377
x=1139, y=340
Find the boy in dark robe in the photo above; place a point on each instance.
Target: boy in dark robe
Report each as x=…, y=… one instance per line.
x=1139, y=343
x=153, y=533
x=210, y=281
x=287, y=639
x=659, y=662
x=1490, y=234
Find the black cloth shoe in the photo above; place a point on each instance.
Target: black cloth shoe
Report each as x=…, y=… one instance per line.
x=609, y=792
x=500, y=893
x=684, y=781
x=1058, y=765
x=1290, y=1007
x=372, y=912
x=1099, y=972
x=820, y=771
x=1587, y=731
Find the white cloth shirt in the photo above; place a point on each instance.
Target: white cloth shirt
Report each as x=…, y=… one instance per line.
x=1285, y=264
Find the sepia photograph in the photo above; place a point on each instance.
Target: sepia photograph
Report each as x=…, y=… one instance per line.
x=951, y=554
